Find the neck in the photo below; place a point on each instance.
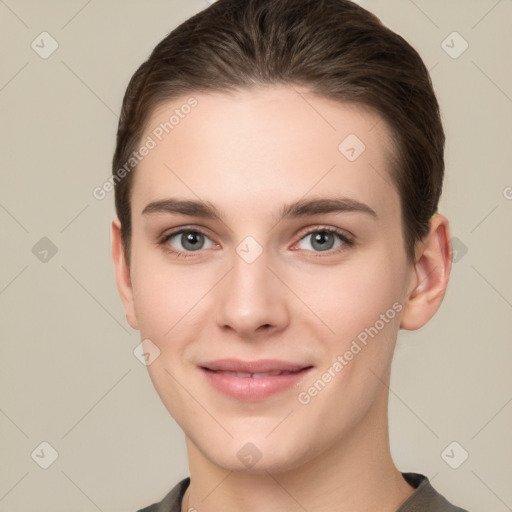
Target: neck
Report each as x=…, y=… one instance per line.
x=356, y=473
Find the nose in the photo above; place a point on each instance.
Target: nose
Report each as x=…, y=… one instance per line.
x=252, y=301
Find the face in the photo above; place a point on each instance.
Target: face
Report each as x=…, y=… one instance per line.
x=265, y=227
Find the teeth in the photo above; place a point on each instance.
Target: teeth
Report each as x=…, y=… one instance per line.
x=255, y=375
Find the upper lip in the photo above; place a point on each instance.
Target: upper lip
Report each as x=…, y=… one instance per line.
x=261, y=366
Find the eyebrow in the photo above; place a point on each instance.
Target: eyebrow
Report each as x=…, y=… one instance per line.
x=301, y=208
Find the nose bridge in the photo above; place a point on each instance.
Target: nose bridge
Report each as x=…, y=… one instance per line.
x=251, y=295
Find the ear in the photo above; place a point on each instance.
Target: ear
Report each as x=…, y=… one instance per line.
x=429, y=277
x=122, y=273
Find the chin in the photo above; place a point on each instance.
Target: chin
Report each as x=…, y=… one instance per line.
x=255, y=457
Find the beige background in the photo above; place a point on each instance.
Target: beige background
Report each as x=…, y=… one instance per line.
x=68, y=373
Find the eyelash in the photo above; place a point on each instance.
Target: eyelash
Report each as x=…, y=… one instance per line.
x=347, y=242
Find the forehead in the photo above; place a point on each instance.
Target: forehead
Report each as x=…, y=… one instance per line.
x=255, y=146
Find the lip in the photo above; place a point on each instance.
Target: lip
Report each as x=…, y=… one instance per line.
x=249, y=387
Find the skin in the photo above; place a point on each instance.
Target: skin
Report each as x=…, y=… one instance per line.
x=248, y=154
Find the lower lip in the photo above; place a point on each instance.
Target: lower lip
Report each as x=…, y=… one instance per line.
x=249, y=388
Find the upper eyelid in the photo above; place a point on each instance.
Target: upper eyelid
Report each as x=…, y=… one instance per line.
x=320, y=227
x=180, y=230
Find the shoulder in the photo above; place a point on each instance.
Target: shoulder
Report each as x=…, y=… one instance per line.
x=172, y=500
x=425, y=498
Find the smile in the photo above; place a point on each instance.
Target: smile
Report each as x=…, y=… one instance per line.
x=253, y=381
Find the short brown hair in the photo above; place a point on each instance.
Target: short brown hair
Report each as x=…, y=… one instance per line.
x=334, y=47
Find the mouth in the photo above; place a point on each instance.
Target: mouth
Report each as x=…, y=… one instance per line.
x=253, y=380
x=262, y=366
x=259, y=375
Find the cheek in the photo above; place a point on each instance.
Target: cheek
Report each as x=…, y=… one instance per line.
x=165, y=296
x=360, y=302
x=167, y=302
x=351, y=297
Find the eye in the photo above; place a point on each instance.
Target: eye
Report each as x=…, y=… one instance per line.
x=186, y=241
x=324, y=239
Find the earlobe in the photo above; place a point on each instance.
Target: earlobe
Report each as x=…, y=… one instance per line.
x=430, y=275
x=122, y=274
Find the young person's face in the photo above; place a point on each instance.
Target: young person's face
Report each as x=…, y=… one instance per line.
x=255, y=285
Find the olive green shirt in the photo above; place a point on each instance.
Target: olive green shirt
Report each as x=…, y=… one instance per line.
x=424, y=498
